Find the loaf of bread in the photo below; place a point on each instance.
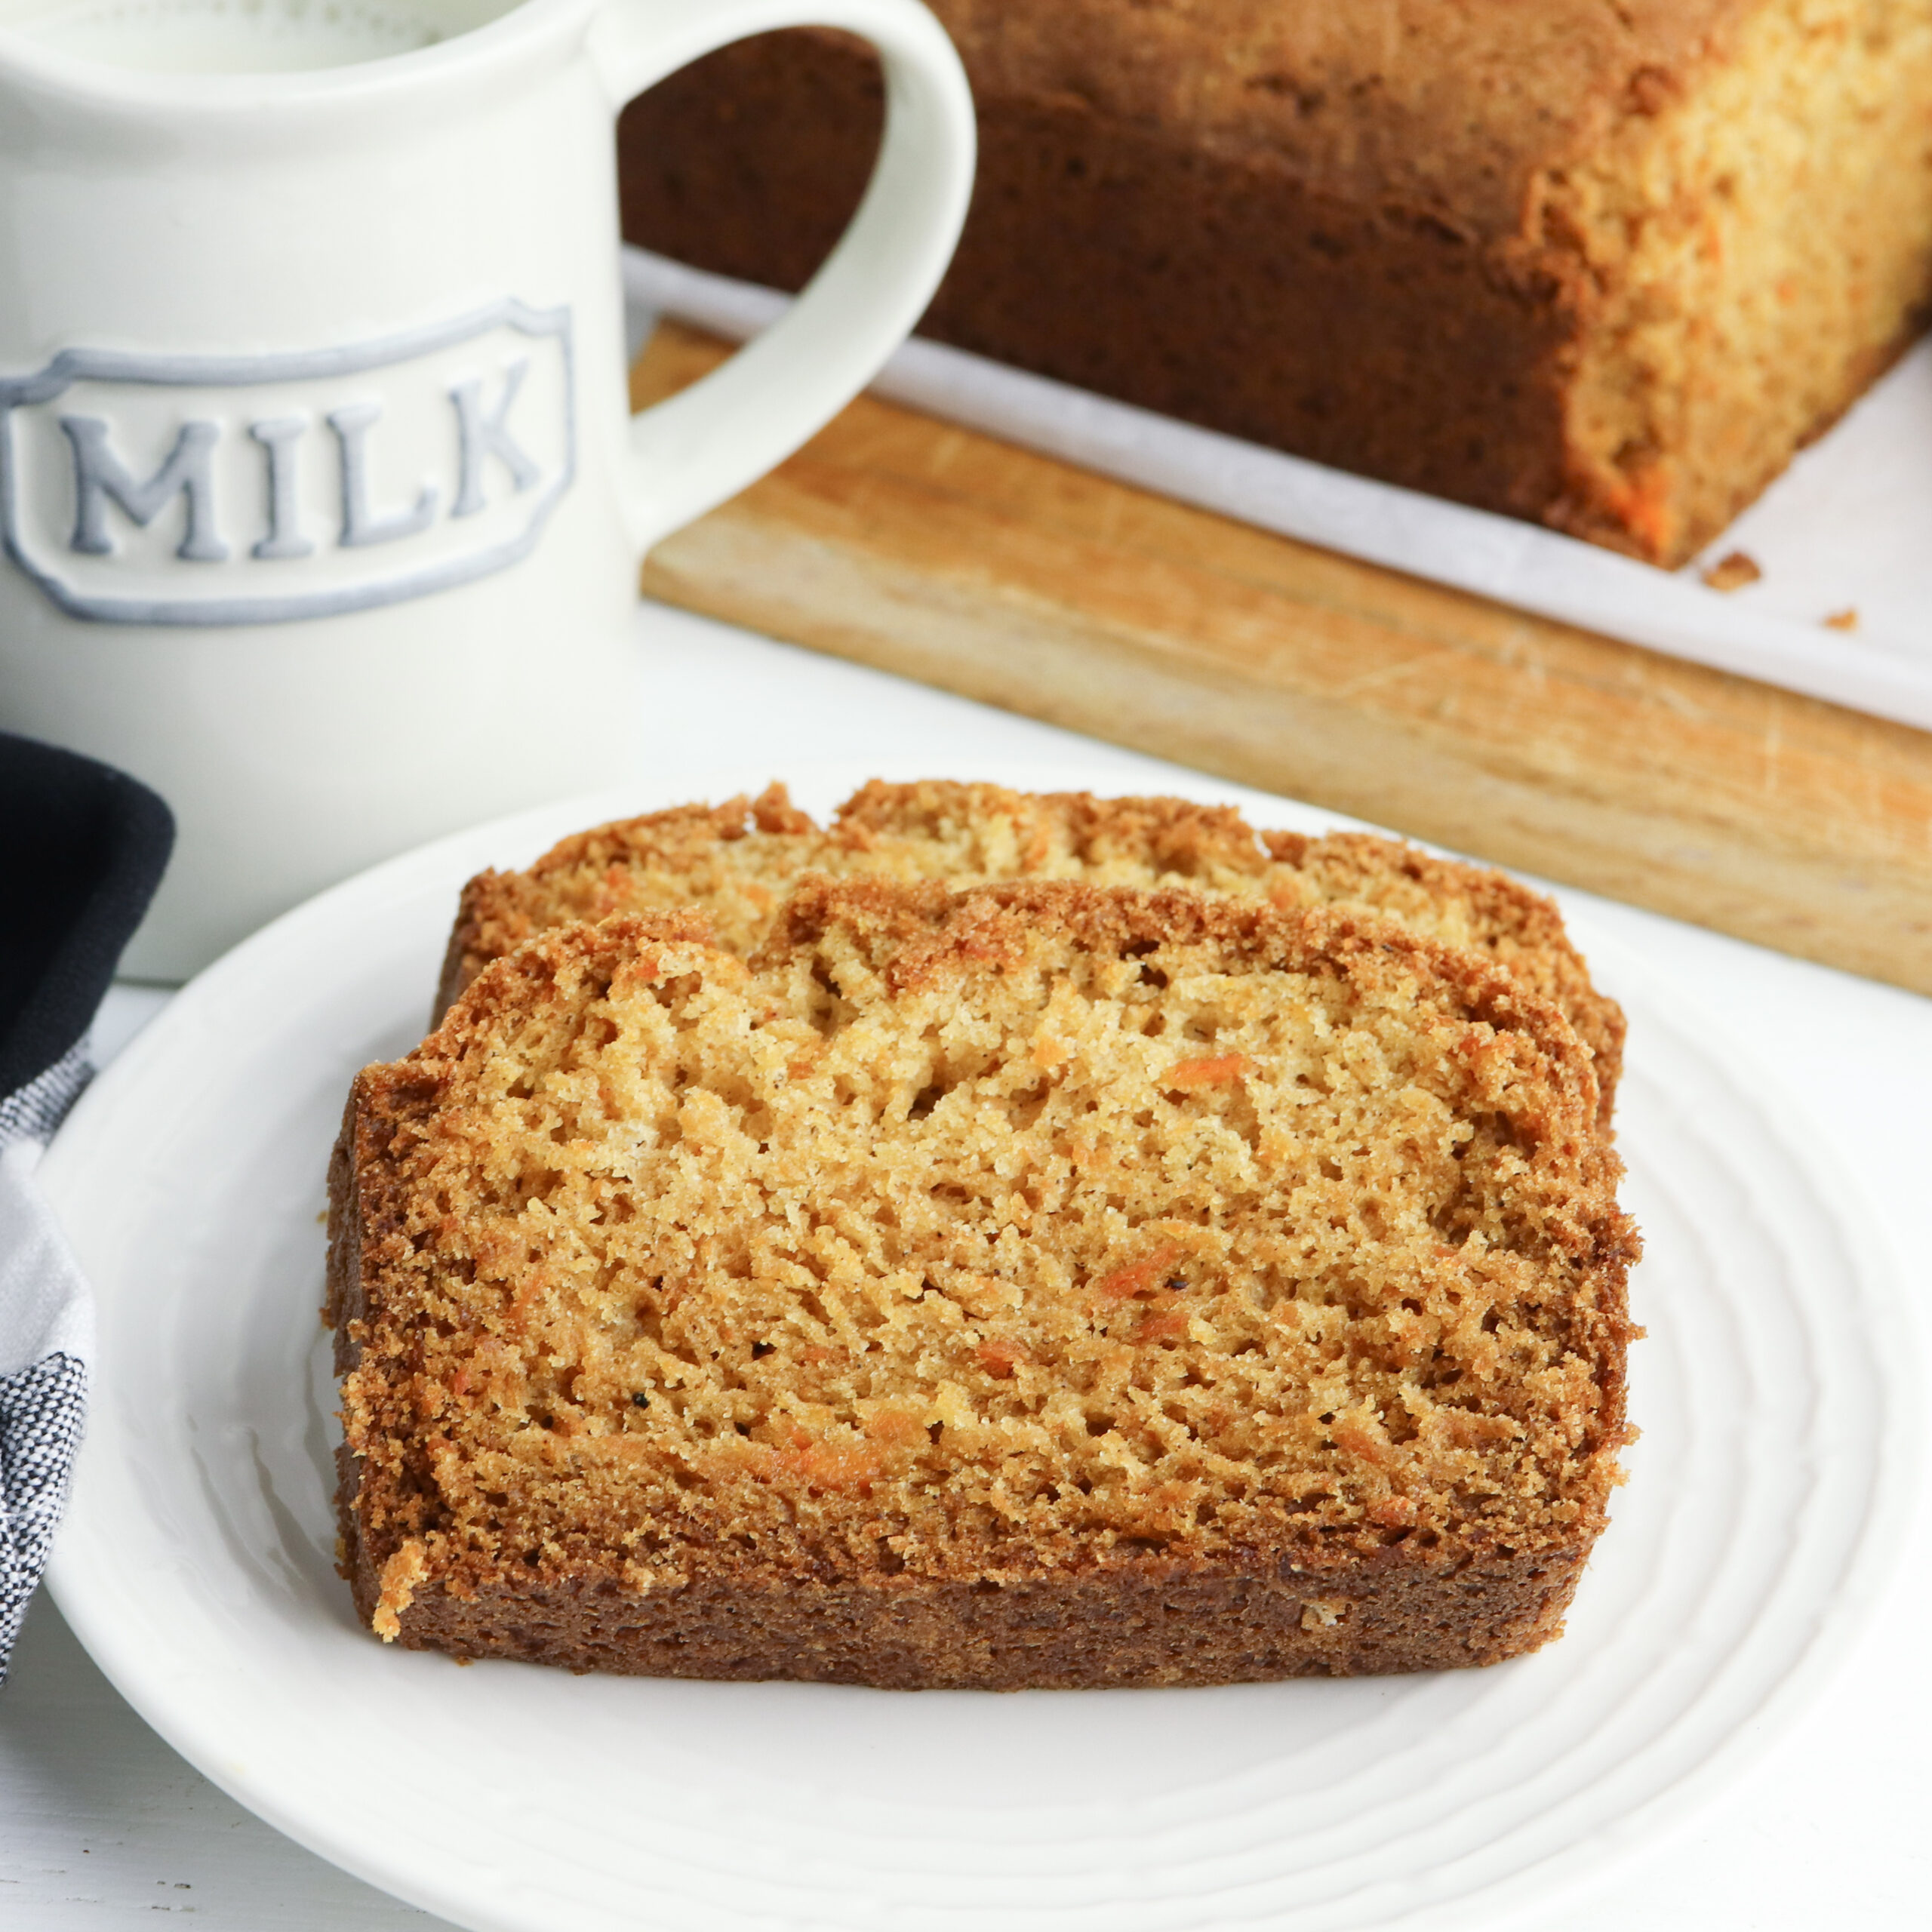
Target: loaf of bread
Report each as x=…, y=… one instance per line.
x=1045, y=1285
x=1602, y=267
x=737, y=862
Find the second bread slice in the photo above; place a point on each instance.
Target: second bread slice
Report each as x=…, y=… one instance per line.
x=738, y=861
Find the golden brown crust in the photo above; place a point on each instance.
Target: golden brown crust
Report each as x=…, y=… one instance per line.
x=1460, y=108
x=493, y=1201
x=607, y=869
x=1149, y=1622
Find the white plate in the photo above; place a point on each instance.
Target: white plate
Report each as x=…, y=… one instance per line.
x=196, y=1561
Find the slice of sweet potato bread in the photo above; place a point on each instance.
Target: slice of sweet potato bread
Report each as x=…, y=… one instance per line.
x=1045, y=1285
x=738, y=860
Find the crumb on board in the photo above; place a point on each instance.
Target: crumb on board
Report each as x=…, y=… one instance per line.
x=1732, y=571
x=1846, y=619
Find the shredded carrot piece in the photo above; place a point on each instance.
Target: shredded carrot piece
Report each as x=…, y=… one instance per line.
x=1217, y=1070
x=831, y=1466
x=1137, y=1277
x=1171, y=1326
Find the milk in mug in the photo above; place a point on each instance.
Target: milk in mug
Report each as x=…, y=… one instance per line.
x=242, y=36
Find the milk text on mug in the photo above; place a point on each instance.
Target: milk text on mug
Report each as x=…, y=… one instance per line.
x=241, y=490
x=116, y=469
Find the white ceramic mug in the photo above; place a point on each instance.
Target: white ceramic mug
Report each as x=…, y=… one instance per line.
x=322, y=505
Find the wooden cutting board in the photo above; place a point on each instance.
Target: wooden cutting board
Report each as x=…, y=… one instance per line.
x=908, y=544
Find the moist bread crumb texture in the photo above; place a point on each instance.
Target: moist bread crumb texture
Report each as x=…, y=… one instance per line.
x=1044, y=1284
x=738, y=862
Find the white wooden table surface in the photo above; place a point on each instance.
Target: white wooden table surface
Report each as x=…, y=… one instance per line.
x=101, y=1824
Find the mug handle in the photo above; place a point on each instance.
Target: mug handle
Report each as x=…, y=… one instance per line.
x=690, y=452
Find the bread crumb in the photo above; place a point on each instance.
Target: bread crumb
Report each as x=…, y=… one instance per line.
x=1846, y=619
x=1324, y=1616
x=401, y=1575
x=1732, y=571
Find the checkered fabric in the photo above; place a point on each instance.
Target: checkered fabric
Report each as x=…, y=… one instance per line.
x=46, y=1335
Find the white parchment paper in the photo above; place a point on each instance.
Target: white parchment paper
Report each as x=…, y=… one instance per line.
x=1848, y=529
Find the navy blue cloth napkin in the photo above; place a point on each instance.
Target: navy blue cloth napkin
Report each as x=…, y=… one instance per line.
x=82, y=847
